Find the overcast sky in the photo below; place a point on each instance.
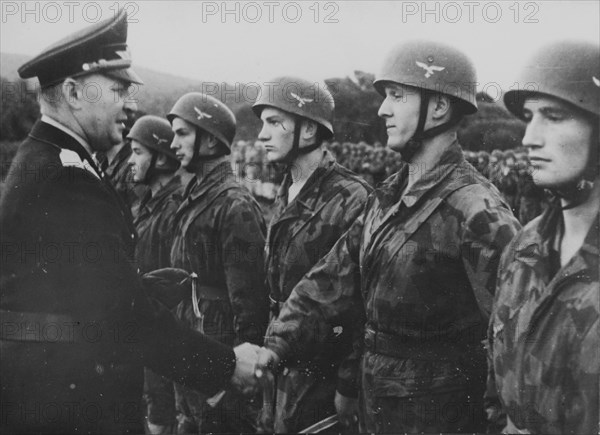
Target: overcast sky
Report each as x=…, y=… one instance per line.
x=255, y=41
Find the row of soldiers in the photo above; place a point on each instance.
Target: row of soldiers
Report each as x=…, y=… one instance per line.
x=417, y=306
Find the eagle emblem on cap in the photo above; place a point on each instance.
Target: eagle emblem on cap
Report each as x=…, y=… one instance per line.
x=301, y=101
x=596, y=81
x=158, y=139
x=429, y=70
x=201, y=114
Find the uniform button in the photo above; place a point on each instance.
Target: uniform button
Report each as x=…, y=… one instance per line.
x=72, y=386
x=100, y=369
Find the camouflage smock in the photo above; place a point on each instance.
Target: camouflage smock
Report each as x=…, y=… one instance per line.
x=300, y=233
x=422, y=266
x=154, y=225
x=544, y=333
x=220, y=236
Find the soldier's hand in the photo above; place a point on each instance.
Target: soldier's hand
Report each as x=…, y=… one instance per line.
x=267, y=361
x=347, y=409
x=243, y=378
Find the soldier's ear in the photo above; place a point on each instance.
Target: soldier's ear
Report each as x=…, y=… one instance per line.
x=309, y=129
x=161, y=160
x=211, y=141
x=442, y=107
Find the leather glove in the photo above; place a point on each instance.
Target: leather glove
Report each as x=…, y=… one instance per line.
x=169, y=286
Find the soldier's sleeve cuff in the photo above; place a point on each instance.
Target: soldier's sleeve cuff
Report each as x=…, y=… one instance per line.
x=277, y=345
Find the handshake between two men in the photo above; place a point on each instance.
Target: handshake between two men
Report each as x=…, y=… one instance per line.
x=255, y=367
x=170, y=286
x=253, y=363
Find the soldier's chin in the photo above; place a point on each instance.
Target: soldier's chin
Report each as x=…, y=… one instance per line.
x=273, y=157
x=191, y=166
x=396, y=145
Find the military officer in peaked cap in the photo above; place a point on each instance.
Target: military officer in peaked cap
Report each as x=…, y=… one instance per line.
x=77, y=325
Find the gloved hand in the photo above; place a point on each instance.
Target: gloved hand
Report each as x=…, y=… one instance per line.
x=169, y=285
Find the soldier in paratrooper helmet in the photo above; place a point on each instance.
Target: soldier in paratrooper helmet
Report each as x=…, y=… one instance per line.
x=543, y=333
x=420, y=260
x=155, y=166
x=317, y=202
x=219, y=236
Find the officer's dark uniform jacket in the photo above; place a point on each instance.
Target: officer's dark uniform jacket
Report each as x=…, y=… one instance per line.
x=76, y=324
x=422, y=264
x=300, y=233
x=543, y=334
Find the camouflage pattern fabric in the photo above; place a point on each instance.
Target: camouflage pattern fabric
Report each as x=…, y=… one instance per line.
x=421, y=266
x=543, y=335
x=300, y=233
x=154, y=225
x=220, y=236
x=531, y=199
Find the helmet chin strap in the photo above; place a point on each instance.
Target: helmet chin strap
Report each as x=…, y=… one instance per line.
x=151, y=169
x=296, y=150
x=198, y=159
x=579, y=191
x=416, y=141
x=575, y=194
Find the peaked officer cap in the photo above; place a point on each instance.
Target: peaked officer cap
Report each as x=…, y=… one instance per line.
x=98, y=49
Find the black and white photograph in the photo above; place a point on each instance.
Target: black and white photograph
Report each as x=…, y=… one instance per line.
x=340, y=217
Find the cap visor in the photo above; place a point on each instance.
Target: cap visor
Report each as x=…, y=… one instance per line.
x=124, y=74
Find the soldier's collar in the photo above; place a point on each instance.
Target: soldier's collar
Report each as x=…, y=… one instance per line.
x=591, y=243
x=535, y=243
x=164, y=192
x=326, y=165
x=433, y=176
x=216, y=175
